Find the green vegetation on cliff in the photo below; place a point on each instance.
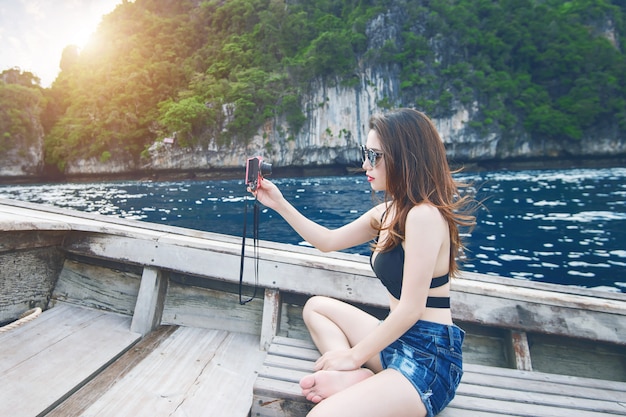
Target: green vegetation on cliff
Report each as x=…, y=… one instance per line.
x=21, y=103
x=220, y=69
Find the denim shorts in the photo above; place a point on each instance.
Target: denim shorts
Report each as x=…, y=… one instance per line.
x=429, y=355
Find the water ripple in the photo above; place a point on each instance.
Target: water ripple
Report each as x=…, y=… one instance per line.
x=560, y=226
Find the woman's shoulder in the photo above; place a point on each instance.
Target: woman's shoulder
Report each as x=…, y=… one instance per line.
x=424, y=212
x=426, y=220
x=378, y=210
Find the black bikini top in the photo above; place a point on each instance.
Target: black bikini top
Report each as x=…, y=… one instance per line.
x=388, y=267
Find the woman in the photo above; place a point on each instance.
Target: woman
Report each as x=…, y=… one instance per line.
x=410, y=363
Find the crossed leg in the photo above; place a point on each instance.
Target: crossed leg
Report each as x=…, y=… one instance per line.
x=369, y=391
x=336, y=325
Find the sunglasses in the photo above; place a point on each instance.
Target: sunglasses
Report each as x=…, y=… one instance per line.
x=371, y=155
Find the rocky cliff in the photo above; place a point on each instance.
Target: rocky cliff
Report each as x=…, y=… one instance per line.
x=337, y=121
x=337, y=118
x=337, y=115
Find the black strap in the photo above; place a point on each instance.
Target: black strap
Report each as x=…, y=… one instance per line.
x=438, y=302
x=255, y=237
x=439, y=281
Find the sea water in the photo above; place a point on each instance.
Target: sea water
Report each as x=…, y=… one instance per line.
x=559, y=226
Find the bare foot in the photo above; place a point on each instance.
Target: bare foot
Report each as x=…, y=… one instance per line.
x=323, y=384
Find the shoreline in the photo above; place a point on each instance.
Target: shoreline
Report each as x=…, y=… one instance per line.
x=314, y=171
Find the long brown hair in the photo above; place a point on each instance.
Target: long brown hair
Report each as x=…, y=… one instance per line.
x=418, y=172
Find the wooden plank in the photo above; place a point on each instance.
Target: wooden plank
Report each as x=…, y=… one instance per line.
x=509, y=307
x=225, y=386
x=532, y=394
x=452, y=411
x=565, y=380
x=271, y=317
x=149, y=306
x=289, y=363
x=193, y=371
x=210, y=309
x=18, y=219
x=277, y=392
x=97, y=287
x=283, y=373
x=485, y=345
x=222, y=387
x=74, y=345
x=512, y=382
x=523, y=283
x=520, y=351
x=50, y=328
x=94, y=389
x=33, y=216
x=290, y=341
x=551, y=354
x=509, y=408
x=29, y=239
x=158, y=385
x=294, y=352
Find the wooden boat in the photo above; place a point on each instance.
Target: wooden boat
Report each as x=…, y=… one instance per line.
x=144, y=320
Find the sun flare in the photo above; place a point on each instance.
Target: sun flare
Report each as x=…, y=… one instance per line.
x=81, y=34
x=35, y=33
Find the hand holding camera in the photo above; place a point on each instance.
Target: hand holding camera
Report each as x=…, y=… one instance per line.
x=256, y=169
x=264, y=190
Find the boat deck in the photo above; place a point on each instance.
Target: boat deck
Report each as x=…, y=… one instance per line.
x=74, y=361
x=136, y=308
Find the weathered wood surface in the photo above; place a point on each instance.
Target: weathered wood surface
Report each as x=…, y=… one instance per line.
x=75, y=361
x=26, y=280
x=484, y=390
x=82, y=399
x=97, y=287
x=29, y=265
x=192, y=372
x=47, y=359
x=524, y=308
x=149, y=305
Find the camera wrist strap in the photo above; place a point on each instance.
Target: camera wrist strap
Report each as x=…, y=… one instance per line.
x=255, y=237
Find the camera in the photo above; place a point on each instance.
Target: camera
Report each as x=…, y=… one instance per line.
x=256, y=169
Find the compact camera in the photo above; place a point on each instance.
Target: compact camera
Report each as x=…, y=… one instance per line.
x=256, y=169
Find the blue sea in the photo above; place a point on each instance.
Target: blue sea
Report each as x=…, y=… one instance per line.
x=558, y=226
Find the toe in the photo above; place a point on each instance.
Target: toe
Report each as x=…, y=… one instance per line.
x=307, y=382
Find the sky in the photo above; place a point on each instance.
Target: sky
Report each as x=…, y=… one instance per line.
x=33, y=33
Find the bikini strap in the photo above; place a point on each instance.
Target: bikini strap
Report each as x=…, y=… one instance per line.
x=438, y=302
x=439, y=281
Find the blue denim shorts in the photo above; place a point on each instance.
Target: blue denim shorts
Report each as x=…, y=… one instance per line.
x=429, y=355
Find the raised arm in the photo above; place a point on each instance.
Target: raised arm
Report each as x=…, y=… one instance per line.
x=355, y=233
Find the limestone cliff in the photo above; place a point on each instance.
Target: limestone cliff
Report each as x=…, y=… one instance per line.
x=336, y=118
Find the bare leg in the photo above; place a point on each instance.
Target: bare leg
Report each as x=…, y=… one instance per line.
x=336, y=325
x=388, y=393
